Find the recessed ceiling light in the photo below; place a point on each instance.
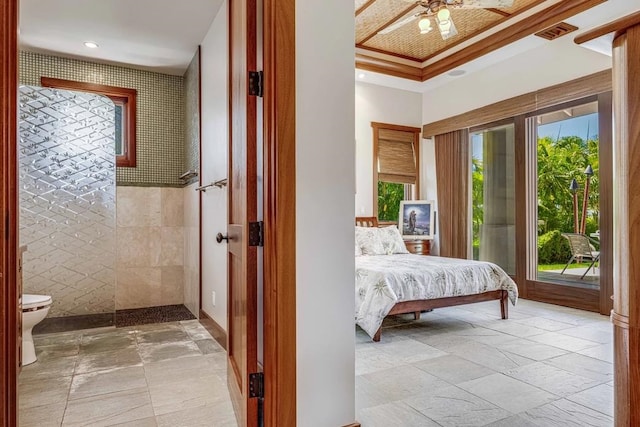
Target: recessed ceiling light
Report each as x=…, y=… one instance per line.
x=91, y=45
x=456, y=73
x=362, y=75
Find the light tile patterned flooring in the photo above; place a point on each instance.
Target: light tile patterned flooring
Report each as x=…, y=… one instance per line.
x=463, y=366
x=460, y=366
x=167, y=374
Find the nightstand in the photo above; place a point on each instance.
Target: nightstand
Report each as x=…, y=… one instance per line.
x=418, y=247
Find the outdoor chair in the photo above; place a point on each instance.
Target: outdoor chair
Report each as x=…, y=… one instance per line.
x=581, y=248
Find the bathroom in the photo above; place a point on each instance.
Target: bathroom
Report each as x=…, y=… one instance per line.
x=128, y=258
x=133, y=217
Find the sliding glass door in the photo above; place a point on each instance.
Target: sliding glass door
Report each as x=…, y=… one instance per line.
x=493, y=195
x=568, y=189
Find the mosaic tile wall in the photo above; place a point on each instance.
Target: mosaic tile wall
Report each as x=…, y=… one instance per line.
x=160, y=127
x=192, y=115
x=67, y=199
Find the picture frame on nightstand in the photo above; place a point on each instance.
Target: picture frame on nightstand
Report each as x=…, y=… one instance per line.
x=416, y=220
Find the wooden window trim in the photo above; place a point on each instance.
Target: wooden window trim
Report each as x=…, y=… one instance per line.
x=124, y=95
x=416, y=147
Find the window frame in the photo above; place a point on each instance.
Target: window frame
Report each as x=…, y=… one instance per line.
x=416, y=149
x=124, y=96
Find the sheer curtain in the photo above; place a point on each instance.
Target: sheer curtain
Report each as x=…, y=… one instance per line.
x=452, y=168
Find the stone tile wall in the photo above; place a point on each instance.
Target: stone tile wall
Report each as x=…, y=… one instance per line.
x=150, y=247
x=192, y=249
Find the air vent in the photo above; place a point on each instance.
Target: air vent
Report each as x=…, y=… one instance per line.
x=558, y=30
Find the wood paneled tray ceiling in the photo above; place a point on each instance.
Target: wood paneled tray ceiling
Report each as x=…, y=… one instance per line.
x=405, y=52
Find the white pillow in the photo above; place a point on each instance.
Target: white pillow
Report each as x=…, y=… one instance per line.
x=368, y=239
x=358, y=250
x=392, y=240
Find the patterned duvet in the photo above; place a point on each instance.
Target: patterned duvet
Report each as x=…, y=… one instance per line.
x=383, y=280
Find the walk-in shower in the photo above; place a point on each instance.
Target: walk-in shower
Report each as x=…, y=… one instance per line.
x=67, y=201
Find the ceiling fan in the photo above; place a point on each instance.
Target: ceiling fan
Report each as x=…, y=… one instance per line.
x=439, y=10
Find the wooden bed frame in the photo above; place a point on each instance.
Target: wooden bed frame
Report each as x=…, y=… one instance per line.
x=416, y=306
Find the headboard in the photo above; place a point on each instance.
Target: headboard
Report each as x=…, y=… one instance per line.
x=366, y=221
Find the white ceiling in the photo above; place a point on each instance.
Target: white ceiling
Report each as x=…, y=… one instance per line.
x=155, y=35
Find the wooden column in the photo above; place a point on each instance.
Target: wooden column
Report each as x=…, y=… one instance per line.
x=626, y=226
x=9, y=310
x=626, y=220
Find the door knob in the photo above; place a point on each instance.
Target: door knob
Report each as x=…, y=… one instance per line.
x=220, y=238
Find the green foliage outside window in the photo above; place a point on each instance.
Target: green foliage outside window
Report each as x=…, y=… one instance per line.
x=559, y=161
x=390, y=195
x=477, y=195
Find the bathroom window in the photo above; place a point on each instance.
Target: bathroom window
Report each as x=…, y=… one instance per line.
x=124, y=100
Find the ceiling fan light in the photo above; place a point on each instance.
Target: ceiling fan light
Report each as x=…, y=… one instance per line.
x=425, y=25
x=447, y=29
x=444, y=15
x=444, y=27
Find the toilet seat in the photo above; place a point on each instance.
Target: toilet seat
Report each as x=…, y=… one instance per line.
x=35, y=302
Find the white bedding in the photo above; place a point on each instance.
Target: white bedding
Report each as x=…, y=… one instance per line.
x=384, y=280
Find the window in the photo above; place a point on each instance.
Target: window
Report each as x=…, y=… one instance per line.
x=124, y=100
x=395, y=168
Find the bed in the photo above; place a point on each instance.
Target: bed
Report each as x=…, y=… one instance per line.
x=397, y=282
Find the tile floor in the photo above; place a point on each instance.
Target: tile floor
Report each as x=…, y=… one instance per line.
x=167, y=374
x=460, y=366
x=463, y=366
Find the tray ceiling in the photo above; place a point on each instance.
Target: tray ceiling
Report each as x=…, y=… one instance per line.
x=405, y=52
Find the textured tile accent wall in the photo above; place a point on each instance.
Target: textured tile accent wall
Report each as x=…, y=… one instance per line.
x=67, y=199
x=150, y=241
x=192, y=115
x=160, y=127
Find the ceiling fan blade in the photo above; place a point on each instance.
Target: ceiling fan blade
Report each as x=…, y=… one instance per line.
x=398, y=24
x=497, y=4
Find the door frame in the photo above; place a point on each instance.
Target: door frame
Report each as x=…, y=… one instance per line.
x=9, y=309
x=279, y=135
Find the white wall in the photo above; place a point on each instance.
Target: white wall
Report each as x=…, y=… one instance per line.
x=553, y=63
x=325, y=158
x=378, y=104
x=214, y=166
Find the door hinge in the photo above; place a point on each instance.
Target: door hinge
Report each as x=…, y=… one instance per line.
x=255, y=83
x=256, y=385
x=256, y=233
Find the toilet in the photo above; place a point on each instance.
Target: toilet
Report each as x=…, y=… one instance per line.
x=34, y=310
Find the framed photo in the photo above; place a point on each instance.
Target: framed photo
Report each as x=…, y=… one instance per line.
x=416, y=219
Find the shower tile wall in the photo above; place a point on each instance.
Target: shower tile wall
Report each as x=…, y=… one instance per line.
x=151, y=239
x=191, y=197
x=160, y=121
x=67, y=199
x=150, y=256
x=192, y=249
x=192, y=114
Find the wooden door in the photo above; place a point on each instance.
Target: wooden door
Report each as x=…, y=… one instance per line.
x=10, y=314
x=242, y=210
